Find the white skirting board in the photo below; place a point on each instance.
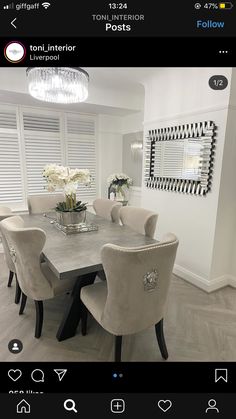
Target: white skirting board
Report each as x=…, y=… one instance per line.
x=204, y=283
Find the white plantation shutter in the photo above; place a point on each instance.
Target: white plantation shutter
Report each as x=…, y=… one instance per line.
x=42, y=146
x=81, y=150
x=30, y=138
x=11, y=190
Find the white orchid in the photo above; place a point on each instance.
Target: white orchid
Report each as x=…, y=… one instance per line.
x=70, y=188
x=62, y=177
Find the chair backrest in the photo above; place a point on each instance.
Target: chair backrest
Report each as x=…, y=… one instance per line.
x=17, y=222
x=107, y=209
x=37, y=204
x=5, y=212
x=138, y=280
x=139, y=219
x=25, y=246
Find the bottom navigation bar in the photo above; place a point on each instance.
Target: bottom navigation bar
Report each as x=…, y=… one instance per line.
x=126, y=405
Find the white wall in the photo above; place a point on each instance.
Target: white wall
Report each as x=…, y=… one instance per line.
x=172, y=97
x=176, y=91
x=224, y=257
x=110, y=149
x=133, y=123
x=221, y=270
x=233, y=188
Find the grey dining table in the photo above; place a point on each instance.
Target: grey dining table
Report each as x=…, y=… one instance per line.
x=79, y=256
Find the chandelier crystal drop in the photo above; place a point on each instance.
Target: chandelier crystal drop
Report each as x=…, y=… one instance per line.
x=58, y=84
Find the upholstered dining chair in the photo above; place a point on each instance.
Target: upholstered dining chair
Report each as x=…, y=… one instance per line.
x=107, y=209
x=35, y=278
x=139, y=219
x=17, y=223
x=38, y=204
x=5, y=212
x=134, y=296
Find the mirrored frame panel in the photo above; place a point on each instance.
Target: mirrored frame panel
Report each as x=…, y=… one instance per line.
x=180, y=158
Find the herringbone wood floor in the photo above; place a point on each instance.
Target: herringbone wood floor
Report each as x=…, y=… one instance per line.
x=198, y=327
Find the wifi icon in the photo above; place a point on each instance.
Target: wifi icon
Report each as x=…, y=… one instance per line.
x=46, y=5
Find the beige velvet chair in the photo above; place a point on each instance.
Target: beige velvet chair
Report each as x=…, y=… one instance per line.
x=135, y=294
x=139, y=219
x=107, y=209
x=35, y=278
x=38, y=204
x=5, y=212
x=17, y=223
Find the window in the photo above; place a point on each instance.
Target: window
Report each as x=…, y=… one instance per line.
x=11, y=187
x=81, y=150
x=42, y=146
x=32, y=138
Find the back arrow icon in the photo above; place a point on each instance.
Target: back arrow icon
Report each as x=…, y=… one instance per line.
x=12, y=23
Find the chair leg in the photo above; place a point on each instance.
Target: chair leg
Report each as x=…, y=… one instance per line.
x=161, y=339
x=23, y=303
x=118, y=345
x=84, y=317
x=18, y=291
x=39, y=318
x=11, y=274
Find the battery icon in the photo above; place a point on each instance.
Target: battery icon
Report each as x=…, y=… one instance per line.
x=226, y=6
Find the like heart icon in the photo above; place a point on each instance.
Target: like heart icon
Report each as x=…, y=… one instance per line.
x=14, y=375
x=164, y=405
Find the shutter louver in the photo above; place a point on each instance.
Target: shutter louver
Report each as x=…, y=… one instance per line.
x=8, y=120
x=42, y=146
x=80, y=126
x=33, y=122
x=81, y=149
x=10, y=166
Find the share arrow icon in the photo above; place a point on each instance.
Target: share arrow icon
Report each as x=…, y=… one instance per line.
x=60, y=373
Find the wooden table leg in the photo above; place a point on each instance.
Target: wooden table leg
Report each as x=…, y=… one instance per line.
x=72, y=314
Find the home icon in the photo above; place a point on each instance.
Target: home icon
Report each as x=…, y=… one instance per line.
x=23, y=407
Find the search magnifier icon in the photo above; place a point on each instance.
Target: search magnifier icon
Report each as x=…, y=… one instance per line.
x=70, y=406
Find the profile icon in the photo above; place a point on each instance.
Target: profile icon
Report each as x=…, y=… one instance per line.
x=212, y=406
x=15, y=346
x=15, y=52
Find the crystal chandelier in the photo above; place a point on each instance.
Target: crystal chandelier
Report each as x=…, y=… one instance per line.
x=58, y=84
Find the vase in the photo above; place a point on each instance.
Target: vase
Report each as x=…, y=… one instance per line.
x=122, y=195
x=65, y=218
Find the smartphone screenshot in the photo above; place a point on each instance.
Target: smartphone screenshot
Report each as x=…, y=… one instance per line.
x=117, y=209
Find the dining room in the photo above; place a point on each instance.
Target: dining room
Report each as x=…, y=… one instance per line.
x=117, y=214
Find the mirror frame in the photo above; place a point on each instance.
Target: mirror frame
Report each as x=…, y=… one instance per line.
x=201, y=131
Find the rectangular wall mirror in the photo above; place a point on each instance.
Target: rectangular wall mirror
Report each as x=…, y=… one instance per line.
x=180, y=158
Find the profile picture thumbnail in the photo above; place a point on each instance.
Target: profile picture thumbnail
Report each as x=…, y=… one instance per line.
x=15, y=52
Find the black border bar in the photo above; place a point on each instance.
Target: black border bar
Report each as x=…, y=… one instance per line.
x=100, y=377
x=129, y=52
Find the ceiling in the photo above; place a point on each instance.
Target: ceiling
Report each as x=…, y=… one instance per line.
x=124, y=78
x=91, y=108
x=117, y=91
